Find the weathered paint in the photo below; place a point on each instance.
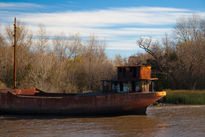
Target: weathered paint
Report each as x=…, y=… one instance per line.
x=15, y=48
x=135, y=72
x=31, y=91
x=77, y=104
x=145, y=72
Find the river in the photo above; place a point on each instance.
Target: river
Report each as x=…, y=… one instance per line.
x=165, y=121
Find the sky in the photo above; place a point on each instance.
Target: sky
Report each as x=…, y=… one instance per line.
x=117, y=22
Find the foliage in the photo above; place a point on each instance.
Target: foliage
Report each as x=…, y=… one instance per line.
x=179, y=62
x=69, y=66
x=185, y=97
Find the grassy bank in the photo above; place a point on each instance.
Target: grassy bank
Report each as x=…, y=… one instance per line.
x=185, y=97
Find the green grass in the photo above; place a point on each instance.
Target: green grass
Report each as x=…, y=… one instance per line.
x=195, y=97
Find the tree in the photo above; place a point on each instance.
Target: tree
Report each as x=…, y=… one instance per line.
x=71, y=66
x=189, y=29
x=41, y=44
x=24, y=42
x=180, y=60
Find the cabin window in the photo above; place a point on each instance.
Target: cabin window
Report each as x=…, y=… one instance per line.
x=115, y=87
x=151, y=86
x=138, y=87
x=124, y=72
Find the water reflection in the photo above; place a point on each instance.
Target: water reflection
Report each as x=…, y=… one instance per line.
x=159, y=121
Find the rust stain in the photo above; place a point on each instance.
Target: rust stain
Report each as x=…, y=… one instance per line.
x=74, y=104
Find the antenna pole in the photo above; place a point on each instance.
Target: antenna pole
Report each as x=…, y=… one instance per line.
x=14, y=53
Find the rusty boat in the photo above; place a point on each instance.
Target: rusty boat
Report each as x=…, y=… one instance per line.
x=130, y=93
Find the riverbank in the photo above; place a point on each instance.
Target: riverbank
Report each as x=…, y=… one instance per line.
x=195, y=97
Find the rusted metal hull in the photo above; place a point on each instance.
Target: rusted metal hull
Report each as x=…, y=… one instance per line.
x=78, y=104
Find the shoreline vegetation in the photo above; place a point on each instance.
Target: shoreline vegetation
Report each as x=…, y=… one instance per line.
x=187, y=97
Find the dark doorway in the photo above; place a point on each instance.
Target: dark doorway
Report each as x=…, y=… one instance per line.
x=121, y=87
x=134, y=73
x=124, y=72
x=133, y=86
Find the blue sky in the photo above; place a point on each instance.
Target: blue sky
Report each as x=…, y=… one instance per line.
x=119, y=22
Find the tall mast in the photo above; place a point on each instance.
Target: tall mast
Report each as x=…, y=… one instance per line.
x=14, y=53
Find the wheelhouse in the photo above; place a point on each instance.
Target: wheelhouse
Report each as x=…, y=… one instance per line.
x=130, y=79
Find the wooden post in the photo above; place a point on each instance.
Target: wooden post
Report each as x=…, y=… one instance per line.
x=14, y=53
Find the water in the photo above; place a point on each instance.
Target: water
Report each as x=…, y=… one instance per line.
x=166, y=121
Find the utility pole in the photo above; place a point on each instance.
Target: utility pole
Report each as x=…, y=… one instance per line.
x=14, y=53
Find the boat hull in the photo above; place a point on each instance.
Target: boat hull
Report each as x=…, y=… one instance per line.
x=74, y=104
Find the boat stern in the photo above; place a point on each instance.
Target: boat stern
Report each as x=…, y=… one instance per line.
x=161, y=93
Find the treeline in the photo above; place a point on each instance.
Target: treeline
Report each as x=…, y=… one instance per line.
x=177, y=60
x=69, y=64
x=63, y=64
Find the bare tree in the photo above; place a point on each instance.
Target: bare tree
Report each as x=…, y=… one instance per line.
x=72, y=65
x=191, y=28
x=180, y=60
x=42, y=39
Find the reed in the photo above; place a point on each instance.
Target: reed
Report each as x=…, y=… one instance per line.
x=185, y=97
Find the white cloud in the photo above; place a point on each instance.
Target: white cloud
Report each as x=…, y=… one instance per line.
x=105, y=32
x=119, y=26
x=109, y=17
x=101, y=22
x=12, y=5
